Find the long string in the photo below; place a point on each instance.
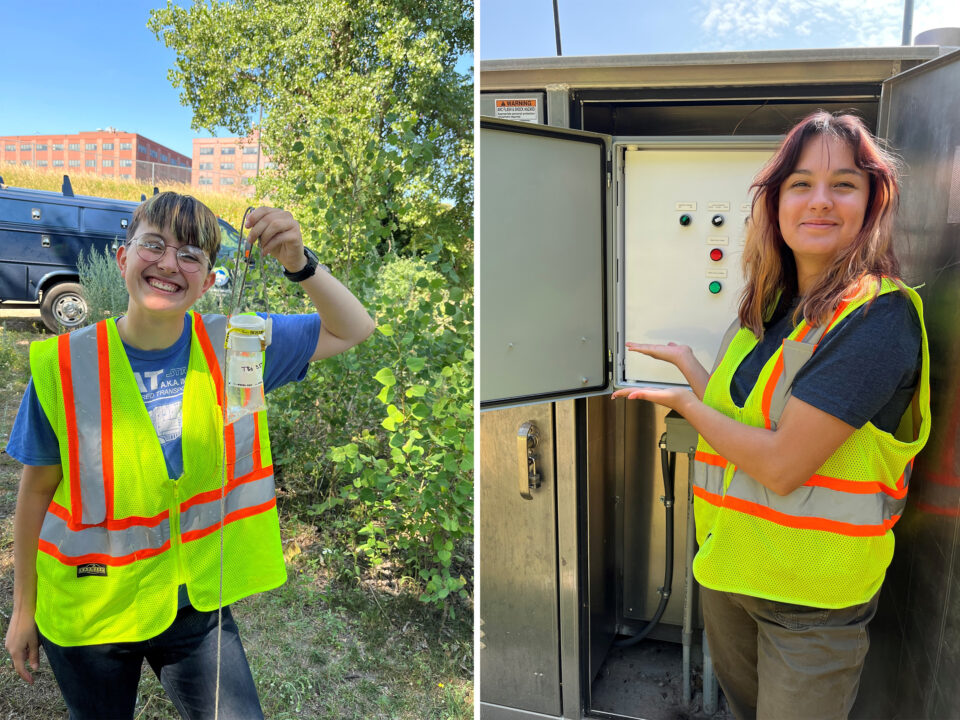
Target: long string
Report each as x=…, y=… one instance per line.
x=240, y=278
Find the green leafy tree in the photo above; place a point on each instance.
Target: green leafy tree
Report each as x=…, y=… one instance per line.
x=370, y=126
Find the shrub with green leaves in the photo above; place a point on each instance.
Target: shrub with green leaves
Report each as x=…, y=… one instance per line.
x=103, y=287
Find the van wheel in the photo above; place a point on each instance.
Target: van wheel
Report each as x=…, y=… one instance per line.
x=63, y=307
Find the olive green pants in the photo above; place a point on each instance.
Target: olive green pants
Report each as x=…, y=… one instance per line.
x=777, y=661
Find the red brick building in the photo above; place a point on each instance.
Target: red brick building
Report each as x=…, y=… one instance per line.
x=108, y=152
x=228, y=164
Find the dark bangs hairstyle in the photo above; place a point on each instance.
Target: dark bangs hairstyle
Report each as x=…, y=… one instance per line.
x=189, y=220
x=768, y=264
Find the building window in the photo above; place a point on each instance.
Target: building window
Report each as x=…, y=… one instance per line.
x=24, y=162
x=206, y=181
x=206, y=151
x=108, y=163
x=126, y=163
x=74, y=163
x=58, y=146
x=226, y=166
x=11, y=148
x=250, y=150
x=153, y=154
x=58, y=163
x=41, y=146
x=164, y=158
x=126, y=146
x=226, y=181
x=206, y=166
x=108, y=146
x=91, y=163
x=269, y=165
x=90, y=146
x=248, y=181
x=41, y=163
x=142, y=148
x=249, y=166
x=228, y=151
x=25, y=148
x=125, y=175
x=74, y=146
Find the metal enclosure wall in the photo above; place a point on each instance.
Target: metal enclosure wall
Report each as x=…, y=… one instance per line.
x=520, y=651
x=529, y=571
x=914, y=663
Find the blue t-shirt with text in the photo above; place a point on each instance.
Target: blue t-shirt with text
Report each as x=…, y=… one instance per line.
x=160, y=375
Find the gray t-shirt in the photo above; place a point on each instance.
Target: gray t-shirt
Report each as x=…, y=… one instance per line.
x=866, y=368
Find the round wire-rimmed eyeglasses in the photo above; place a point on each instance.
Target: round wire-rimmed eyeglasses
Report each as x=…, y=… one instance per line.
x=150, y=248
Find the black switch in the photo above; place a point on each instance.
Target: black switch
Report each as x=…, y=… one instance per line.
x=685, y=219
x=717, y=220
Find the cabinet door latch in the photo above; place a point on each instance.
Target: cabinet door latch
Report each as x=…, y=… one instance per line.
x=528, y=438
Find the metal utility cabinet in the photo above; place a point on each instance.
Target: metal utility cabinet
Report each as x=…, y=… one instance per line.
x=621, y=219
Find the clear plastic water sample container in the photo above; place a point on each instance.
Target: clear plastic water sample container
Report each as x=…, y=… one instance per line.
x=245, y=343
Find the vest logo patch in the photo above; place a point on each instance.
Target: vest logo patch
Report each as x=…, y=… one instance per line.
x=91, y=569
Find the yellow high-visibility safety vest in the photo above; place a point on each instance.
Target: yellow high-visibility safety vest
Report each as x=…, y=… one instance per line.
x=828, y=543
x=120, y=536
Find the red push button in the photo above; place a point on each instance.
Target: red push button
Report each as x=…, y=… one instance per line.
x=716, y=254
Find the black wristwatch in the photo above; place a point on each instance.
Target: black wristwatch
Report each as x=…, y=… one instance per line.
x=308, y=270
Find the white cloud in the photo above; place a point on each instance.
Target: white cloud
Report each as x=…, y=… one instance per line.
x=931, y=14
x=767, y=24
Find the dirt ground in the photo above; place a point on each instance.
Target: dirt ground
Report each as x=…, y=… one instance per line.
x=646, y=682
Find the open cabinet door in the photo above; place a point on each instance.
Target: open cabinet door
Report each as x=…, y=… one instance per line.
x=543, y=263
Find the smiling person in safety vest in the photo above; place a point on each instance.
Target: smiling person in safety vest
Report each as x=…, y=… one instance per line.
x=118, y=523
x=809, y=422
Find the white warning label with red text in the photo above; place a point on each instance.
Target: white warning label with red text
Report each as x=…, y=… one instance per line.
x=520, y=109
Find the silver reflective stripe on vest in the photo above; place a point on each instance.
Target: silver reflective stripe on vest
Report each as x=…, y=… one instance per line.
x=247, y=495
x=216, y=327
x=868, y=510
x=708, y=477
x=795, y=355
x=244, y=430
x=85, y=377
x=101, y=541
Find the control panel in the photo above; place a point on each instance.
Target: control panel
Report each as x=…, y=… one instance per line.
x=684, y=216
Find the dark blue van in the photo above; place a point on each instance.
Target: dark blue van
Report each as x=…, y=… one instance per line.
x=43, y=233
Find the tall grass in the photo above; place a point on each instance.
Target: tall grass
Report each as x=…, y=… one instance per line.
x=229, y=207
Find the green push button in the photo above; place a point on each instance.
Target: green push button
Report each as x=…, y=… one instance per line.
x=715, y=287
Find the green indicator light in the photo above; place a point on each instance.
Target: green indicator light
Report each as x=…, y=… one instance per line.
x=715, y=287
x=685, y=219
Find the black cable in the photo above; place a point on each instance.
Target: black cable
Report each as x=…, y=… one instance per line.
x=668, y=466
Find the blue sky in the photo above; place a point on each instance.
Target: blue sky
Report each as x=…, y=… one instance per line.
x=524, y=28
x=72, y=66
